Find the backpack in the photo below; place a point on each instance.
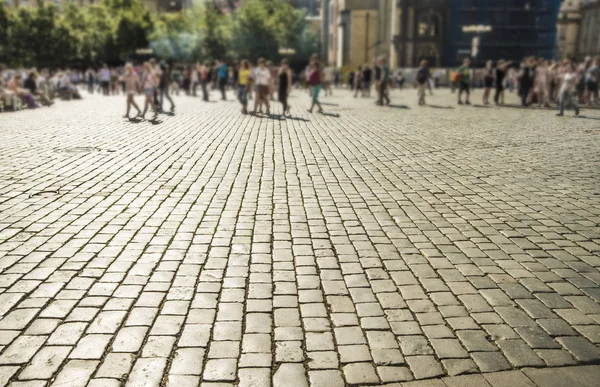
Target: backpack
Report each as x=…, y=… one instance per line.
x=421, y=77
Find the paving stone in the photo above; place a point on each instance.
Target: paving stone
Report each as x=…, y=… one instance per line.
x=287, y=372
x=329, y=378
x=580, y=348
x=424, y=367
x=302, y=250
x=571, y=376
x=187, y=361
x=519, y=354
x=220, y=370
x=22, y=350
x=254, y=377
x=76, y=373
x=115, y=365
x=356, y=373
x=466, y=381
x=147, y=372
x=490, y=361
x=508, y=379
x=45, y=363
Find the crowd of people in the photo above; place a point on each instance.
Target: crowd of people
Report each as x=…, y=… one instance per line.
x=31, y=88
x=537, y=81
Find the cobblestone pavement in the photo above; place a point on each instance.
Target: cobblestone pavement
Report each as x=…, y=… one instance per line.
x=367, y=246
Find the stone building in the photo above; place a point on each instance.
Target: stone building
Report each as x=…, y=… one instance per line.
x=350, y=31
x=567, y=28
x=419, y=30
x=589, y=30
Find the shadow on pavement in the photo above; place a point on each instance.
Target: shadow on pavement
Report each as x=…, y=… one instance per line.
x=335, y=115
x=587, y=118
x=439, y=107
x=297, y=119
x=329, y=104
x=398, y=106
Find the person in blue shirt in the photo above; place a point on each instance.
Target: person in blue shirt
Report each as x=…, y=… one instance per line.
x=222, y=71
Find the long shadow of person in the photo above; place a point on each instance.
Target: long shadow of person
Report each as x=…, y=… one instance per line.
x=334, y=115
x=398, y=106
x=440, y=107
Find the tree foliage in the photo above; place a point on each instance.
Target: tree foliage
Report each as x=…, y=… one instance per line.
x=111, y=31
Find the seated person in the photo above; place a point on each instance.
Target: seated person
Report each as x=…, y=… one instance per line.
x=23, y=94
x=31, y=85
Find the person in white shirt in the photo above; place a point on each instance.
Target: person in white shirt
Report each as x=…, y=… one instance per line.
x=105, y=79
x=328, y=77
x=262, y=77
x=567, y=89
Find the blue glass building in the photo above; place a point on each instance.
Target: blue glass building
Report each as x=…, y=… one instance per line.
x=500, y=29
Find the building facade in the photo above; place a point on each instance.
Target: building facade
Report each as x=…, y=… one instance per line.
x=567, y=27
x=501, y=29
x=421, y=28
x=442, y=31
x=588, y=43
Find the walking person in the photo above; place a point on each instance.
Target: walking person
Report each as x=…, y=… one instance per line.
x=499, y=76
x=222, y=79
x=366, y=85
x=592, y=77
x=383, y=82
x=157, y=73
x=149, y=84
x=194, y=79
x=204, y=80
x=421, y=81
x=163, y=85
x=263, y=81
x=89, y=79
x=488, y=81
x=358, y=81
x=285, y=86
x=105, y=79
x=463, y=78
x=566, y=92
x=525, y=81
x=542, y=83
x=132, y=87
x=314, y=80
x=242, y=87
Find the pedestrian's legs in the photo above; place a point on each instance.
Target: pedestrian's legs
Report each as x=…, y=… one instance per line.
x=168, y=96
x=385, y=93
x=561, y=107
x=162, y=98
x=421, y=88
x=156, y=102
x=524, y=95
x=222, y=88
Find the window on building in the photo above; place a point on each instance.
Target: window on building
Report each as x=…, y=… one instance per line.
x=429, y=25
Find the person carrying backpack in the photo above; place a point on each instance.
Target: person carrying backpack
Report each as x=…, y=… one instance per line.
x=421, y=81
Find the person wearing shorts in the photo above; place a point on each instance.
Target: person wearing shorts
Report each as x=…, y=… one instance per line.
x=148, y=83
x=263, y=81
x=132, y=86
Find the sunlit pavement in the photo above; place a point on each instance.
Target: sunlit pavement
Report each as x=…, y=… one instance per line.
x=365, y=246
